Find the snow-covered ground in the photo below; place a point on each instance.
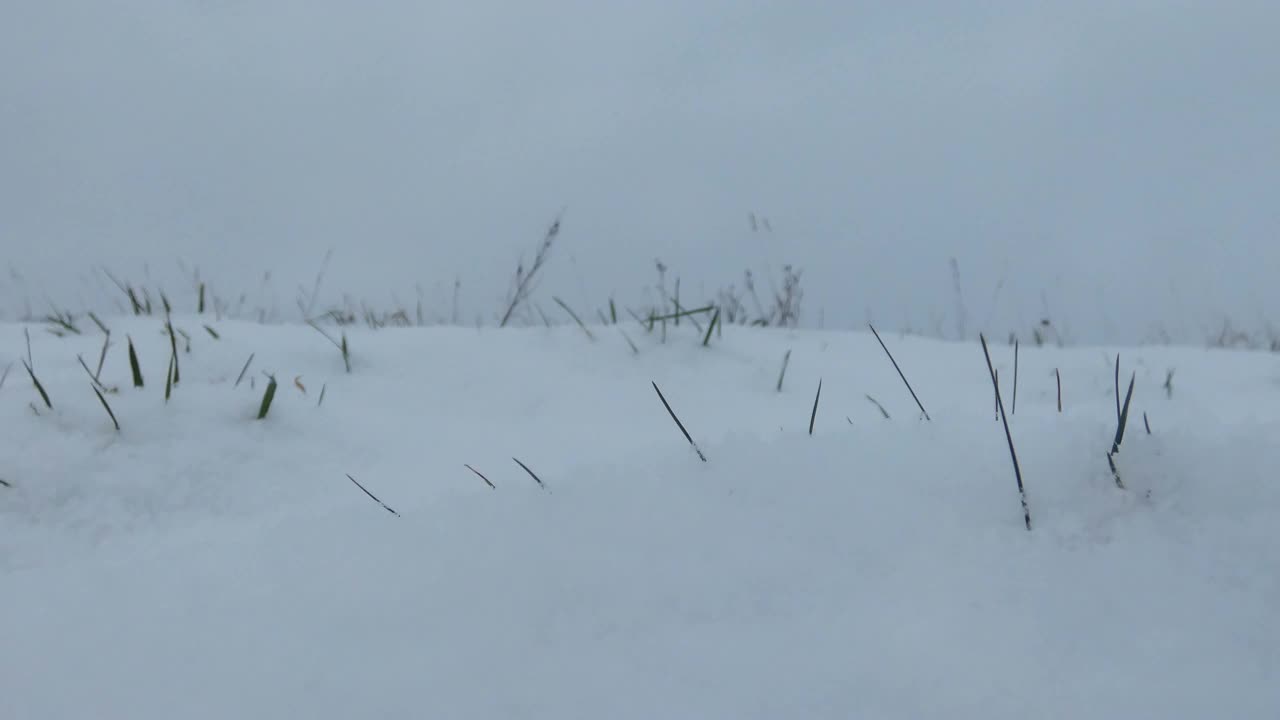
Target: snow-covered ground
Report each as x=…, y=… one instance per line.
x=202, y=564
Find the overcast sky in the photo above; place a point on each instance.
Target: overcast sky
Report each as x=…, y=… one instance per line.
x=1113, y=164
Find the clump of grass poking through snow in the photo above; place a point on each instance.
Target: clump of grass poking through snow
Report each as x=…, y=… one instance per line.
x=267, y=397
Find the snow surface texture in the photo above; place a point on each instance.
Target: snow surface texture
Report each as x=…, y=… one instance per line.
x=203, y=564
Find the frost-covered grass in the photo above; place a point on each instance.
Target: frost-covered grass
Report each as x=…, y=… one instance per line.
x=203, y=562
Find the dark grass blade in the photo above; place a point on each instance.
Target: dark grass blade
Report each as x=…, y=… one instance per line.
x=481, y=476
x=715, y=319
x=634, y=349
x=5, y=375
x=134, y=367
x=212, y=333
x=996, y=399
x=613, y=312
x=99, y=323
x=366, y=492
x=1057, y=374
x=1146, y=423
x=39, y=388
x=679, y=424
x=27, y=333
x=880, y=407
x=323, y=388
x=901, y=374
x=813, y=416
x=1124, y=416
x=89, y=372
x=5, y=483
x=346, y=353
x=103, y=400
x=267, y=397
x=102, y=356
x=1014, y=408
x=1117, y=387
x=681, y=313
x=200, y=301
x=173, y=347
x=1013, y=455
x=575, y=317
x=243, y=370
x=1120, y=426
x=168, y=380
x=783, y=374
x=531, y=474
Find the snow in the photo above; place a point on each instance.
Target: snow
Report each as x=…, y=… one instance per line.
x=203, y=564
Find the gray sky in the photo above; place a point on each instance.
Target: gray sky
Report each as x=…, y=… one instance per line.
x=1115, y=162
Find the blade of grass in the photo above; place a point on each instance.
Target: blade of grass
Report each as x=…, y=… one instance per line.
x=481, y=476
x=102, y=356
x=900, y=373
x=212, y=333
x=531, y=473
x=635, y=350
x=133, y=364
x=786, y=358
x=679, y=424
x=5, y=375
x=715, y=319
x=89, y=372
x=876, y=402
x=1146, y=422
x=371, y=495
x=813, y=416
x=1013, y=455
x=1014, y=408
x=575, y=317
x=323, y=387
x=103, y=400
x=39, y=388
x=99, y=323
x=267, y=397
x=243, y=370
x=1057, y=374
x=168, y=379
